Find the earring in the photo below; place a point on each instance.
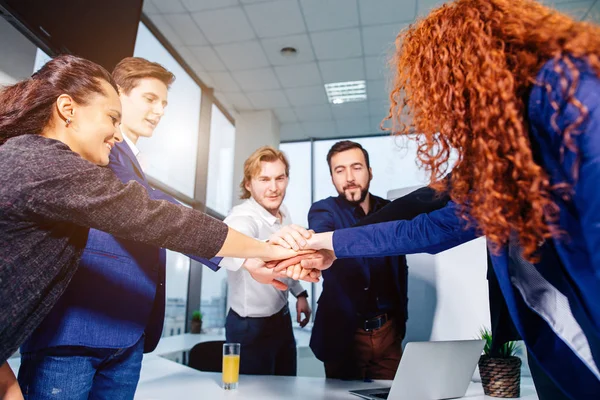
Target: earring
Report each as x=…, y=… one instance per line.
x=68, y=122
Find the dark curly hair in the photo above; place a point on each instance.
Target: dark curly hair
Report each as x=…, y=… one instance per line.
x=462, y=77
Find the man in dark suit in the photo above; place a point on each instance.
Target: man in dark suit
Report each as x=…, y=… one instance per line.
x=360, y=321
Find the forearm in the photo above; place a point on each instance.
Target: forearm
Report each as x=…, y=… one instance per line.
x=9, y=387
x=239, y=245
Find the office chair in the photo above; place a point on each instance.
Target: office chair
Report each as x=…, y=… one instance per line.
x=207, y=356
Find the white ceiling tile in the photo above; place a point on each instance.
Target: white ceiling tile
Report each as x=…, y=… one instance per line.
x=577, y=10
x=309, y=95
x=204, y=76
x=377, y=12
x=224, y=101
x=424, y=7
x=169, y=6
x=321, y=112
x=291, y=131
x=149, y=8
x=301, y=43
x=379, y=40
x=277, y=18
x=186, y=29
x=353, y=109
x=285, y=115
x=377, y=67
x=319, y=129
x=378, y=89
x=351, y=69
x=208, y=58
x=299, y=75
x=165, y=28
x=378, y=109
x=594, y=14
x=189, y=57
x=256, y=79
x=201, y=5
x=224, y=25
x=224, y=82
x=242, y=55
x=240, y=101
x=268, y=99
x=376, y=125
x=354, y=126
x=331, y=45
x=323, y=15
x=254, y=1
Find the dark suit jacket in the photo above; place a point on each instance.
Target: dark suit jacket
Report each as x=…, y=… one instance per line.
x=426, y=200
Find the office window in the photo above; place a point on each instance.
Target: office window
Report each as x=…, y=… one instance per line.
x=220, y=163
x=177, y=276
x=298, y=198
x=213, y=300
x=170, y=156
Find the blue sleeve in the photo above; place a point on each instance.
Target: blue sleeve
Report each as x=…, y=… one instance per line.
x=587, y=190
x=127, y=174
x=427, y=233
x=320, y=217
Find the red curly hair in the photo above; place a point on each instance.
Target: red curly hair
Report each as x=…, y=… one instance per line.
x=462, y=76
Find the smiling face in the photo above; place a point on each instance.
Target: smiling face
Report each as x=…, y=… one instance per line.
x=95, y=124
x=143, y=107
x=269, y=186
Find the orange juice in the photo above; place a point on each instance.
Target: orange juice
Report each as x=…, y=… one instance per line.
x=231, y=368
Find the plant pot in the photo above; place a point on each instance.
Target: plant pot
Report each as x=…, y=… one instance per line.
x=196, y=326
x=500, y=377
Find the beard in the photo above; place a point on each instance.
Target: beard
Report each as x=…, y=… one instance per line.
x=350, y=199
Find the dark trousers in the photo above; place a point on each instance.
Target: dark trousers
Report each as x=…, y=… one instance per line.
x=374, y=355
x=544, y=385
x=267, y=344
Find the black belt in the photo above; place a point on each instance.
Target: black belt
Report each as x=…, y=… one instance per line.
x=374, y=323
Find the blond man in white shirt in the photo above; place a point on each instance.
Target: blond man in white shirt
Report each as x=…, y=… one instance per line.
x=259, y=317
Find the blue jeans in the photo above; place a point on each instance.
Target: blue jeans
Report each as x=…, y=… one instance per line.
x=267, y=345
x=81, y=373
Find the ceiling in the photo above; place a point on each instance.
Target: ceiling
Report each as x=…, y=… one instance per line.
x=234, y=46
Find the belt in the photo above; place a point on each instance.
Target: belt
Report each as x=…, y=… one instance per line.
x=374, y=323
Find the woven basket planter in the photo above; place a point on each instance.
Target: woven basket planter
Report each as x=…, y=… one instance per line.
x=500, y=377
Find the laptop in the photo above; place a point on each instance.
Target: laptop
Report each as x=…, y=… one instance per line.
x=431, y=371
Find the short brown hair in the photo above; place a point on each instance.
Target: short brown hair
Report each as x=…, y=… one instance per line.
x=130, y=70
x=252, y=165
x=345, y=145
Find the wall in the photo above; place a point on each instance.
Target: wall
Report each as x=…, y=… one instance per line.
x=252, y=130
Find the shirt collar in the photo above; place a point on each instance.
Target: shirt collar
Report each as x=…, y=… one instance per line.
x=130, y=143
x=267, y=216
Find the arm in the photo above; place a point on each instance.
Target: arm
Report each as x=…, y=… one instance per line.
x=9, y=387
x=427, y=233
x=127, y=174
x=247, y=226
x=421, y=201
x=320, y=218
x=76, y=191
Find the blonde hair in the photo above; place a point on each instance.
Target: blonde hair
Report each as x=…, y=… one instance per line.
x=252, y=166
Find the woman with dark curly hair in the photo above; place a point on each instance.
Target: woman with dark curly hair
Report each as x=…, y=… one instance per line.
x=513, y=88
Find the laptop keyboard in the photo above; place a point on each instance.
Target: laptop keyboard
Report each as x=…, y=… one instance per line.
x=381, y=395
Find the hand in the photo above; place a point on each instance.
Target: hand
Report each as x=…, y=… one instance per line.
x=260, y=273
x=9, y=387
x=276, y=252
x=320, y=241
x=291, y=237
x=302, y=307
x=320, y=260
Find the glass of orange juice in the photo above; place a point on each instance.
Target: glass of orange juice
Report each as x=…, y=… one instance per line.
x=231, y=365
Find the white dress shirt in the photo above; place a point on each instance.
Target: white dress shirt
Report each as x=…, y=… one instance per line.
x=132, y=145
x=247, y=297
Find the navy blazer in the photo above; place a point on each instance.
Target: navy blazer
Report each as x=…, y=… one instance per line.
x=118, y=291
x=344, y=288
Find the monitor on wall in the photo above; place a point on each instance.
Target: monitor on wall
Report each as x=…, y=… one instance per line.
x=103, y=31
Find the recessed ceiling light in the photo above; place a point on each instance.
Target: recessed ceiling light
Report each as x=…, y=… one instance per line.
x=288, y=51
x=345, y=92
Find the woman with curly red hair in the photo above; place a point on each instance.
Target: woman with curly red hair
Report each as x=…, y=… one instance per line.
x=513, y=88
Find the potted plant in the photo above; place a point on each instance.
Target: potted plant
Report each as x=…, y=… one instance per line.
x=500, y=368
x=196, y=322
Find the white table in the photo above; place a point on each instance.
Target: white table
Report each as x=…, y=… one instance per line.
x=163, y=379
